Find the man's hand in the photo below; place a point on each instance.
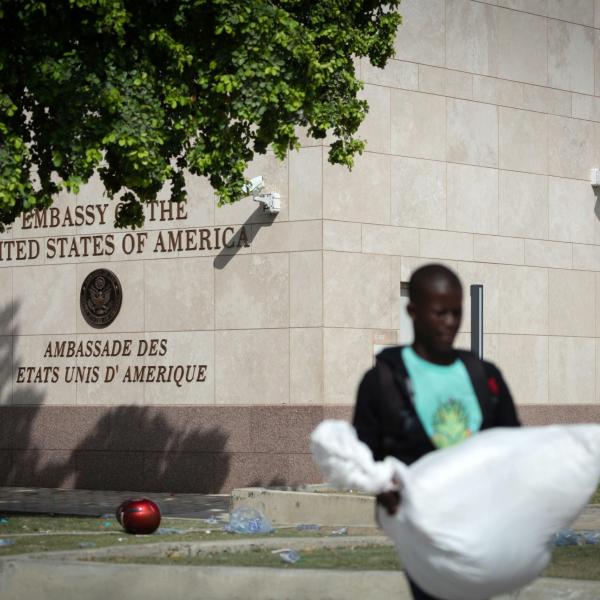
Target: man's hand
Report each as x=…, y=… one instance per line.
x=390, y=501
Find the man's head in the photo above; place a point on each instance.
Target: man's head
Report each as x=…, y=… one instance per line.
x=435, y=308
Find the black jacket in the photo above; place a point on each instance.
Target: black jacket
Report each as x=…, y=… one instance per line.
x=385, y=418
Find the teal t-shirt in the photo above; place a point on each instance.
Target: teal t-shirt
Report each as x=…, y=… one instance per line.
x=444, y=399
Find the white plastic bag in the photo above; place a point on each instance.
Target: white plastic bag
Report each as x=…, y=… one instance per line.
x=476, y=520
x=347, y=462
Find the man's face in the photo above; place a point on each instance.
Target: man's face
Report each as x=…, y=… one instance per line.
x=437, y=315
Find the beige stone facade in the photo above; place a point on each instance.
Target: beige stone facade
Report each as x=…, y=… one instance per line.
x=480, y=138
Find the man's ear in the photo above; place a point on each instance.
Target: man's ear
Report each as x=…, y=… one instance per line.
x=410, y=309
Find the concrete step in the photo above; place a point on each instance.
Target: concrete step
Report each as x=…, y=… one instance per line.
x=294, y=507
x=286, y=507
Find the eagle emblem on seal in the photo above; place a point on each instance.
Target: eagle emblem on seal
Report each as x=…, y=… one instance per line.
x=101, y=297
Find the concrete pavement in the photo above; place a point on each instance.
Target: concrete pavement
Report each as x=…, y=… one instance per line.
x=32, y=580
x=67, y=577
x=280, y=506
x=93, y=503
x=22, y=579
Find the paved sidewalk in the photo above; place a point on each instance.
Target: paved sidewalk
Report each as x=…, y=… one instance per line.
x=202, y=506
x=99, y=502
x=30, y=578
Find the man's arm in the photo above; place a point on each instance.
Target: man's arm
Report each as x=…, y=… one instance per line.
x=367, y=422
x=366, y=419
x=506, y=413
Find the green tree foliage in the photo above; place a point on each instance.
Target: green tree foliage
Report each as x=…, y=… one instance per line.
x=143, y=90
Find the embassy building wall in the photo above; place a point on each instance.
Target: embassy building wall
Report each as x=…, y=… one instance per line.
x=238, y=331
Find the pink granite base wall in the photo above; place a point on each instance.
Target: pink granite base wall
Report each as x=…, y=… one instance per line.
x=179, y=449
x=172, y=449
x=546, y=414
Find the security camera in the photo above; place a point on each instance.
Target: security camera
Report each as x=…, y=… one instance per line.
x=271, y=202
x=254, y=186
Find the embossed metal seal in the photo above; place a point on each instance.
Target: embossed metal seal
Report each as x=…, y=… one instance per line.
x=100, y=298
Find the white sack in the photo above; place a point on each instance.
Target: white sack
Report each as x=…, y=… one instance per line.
x=477, y=519
x=348, y=463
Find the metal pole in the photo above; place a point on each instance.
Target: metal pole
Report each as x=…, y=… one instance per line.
x=477, y=320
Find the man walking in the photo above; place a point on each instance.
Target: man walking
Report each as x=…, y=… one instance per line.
x=429, y=395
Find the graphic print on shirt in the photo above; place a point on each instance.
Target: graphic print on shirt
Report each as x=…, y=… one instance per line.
x=450, y=424
x=444, y=399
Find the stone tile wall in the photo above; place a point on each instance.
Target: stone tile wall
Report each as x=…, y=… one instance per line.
x=480, y=137
x=494, y=127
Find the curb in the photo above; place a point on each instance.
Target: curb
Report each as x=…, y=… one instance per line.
x=31, y=580
x=295, y=507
